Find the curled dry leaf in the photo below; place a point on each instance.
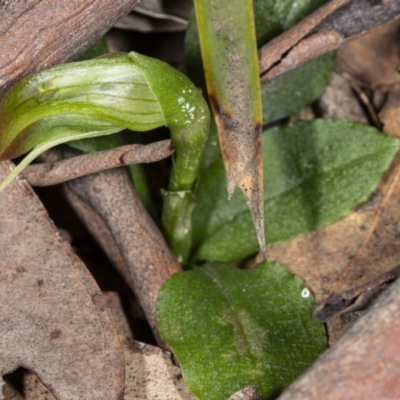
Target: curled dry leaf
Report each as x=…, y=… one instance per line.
x=49, y=322
x=390, y=115
x=373, y=57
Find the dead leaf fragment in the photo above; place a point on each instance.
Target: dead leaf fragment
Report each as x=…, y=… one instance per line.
x=339, y=101
x=390, y=115
x=151, y=374
x=48, y=321
x=248, y=393
x=374, y=57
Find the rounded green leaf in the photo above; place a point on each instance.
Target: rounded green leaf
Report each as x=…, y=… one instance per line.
x=314, y=173
x=230, y=328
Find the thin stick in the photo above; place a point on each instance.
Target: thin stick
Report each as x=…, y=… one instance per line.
x=52, y=173
x=322, y=31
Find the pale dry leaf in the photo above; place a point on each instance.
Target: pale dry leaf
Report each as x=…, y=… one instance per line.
x=49, y=323
x=339, y=101
x=248, y=393
x=151, y=374
x=151, y=16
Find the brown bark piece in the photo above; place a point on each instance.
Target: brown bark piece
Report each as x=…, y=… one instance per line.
x=35, y=34
x=364, y=364
x=48, y=320
x=112, y=301
x=149, y=374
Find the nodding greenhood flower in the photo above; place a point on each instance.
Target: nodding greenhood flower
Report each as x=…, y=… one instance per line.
x=100, y=97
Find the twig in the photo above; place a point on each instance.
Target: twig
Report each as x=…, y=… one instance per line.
x=52, y=173
x=323, y=31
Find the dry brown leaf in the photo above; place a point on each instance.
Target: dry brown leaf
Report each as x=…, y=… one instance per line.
x=151, y=16
x=49, y=322
x=390, y=115
x=151, y=374
x=374, y=57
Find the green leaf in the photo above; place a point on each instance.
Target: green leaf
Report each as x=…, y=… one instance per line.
x=302, y=86
x=315, y=172
x=230, y=328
